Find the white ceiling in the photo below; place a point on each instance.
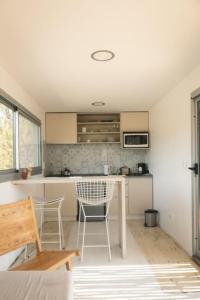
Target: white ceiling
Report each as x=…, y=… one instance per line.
x=46, y=46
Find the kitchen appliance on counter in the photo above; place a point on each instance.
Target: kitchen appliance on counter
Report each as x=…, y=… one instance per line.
x=66, y=172
x=135, y=140
x=142, y=168
x=124, y=170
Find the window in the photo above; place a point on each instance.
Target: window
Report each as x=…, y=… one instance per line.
x=6, y=137
x=29, y=143
x=20, y=143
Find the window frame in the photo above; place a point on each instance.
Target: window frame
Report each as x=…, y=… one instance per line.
x=18, y=109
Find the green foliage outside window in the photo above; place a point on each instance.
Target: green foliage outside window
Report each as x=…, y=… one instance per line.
x=19, y=137
x=29, y=143
x=6, y=137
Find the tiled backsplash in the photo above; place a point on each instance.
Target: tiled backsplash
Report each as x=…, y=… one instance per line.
x=91, y=158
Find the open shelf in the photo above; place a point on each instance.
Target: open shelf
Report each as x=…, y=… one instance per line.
x=94, y=133
x=98, y=128
x=97, y=123
x=98, y=143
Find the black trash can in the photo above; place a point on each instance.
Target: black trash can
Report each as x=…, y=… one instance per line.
x=151, y=218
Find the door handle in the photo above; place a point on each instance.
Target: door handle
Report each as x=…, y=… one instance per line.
x=194, y=168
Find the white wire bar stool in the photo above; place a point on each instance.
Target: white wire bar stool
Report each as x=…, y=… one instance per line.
x=93, y=192
x=50, y=205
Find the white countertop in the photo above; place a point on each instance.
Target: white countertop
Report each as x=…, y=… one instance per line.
x=43, y=180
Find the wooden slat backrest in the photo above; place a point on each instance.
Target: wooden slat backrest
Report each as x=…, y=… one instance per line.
x=17, y=226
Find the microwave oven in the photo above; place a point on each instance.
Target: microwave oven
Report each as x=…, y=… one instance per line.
x=135, y=139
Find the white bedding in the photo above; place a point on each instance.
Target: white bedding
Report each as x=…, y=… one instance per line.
x=36, y=285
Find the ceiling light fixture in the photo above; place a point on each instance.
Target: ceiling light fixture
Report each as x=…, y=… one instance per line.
x=102, y=55
x=98, y=103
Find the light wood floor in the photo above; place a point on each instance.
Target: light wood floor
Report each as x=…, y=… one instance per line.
x=175, y=271
x=172, y=266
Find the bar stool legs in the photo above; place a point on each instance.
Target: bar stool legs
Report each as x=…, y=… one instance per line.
x=51, y=205
x=83, y=239
x=60, y=231
x=108, y=238
x=78, y=233
x=83, y=233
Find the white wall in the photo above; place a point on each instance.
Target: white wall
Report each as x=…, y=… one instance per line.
x=170, y=157
x=8, y=192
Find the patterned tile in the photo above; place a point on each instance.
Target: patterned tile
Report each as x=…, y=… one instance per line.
x=91, y=158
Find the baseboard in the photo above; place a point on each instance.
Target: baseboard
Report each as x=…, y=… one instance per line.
x=111, y=217
x=135, y=217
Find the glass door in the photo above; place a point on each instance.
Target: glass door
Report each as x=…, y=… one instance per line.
x=196, y=179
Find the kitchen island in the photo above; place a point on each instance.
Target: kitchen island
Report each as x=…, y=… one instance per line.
x=120, y=180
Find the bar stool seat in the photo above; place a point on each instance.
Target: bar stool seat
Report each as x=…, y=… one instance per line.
x=50, y=205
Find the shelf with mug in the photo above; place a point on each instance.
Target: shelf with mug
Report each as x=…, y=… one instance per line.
x=98, y=132
x=98, y=123
x=98, y=142
x=100, y=137
x=98, y=128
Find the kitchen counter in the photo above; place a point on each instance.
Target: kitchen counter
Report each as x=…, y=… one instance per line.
x=66, y=179
x=139, y=175
x=100, y=174
x=76, y=175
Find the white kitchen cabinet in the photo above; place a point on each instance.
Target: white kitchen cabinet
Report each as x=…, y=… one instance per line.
x=69, y=206
x=61, y=128
x=134, y=121
x=140, y=195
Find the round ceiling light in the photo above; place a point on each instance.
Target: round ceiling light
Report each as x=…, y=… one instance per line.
x=98, y=103
x=102, y=55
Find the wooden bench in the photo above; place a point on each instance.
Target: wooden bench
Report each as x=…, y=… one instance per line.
x=18, y=228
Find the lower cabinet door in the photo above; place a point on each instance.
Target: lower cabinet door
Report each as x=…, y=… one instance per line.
x=140, y=195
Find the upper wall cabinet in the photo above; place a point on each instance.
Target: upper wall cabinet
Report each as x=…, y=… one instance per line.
x=61, y=128
x=134, y=121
